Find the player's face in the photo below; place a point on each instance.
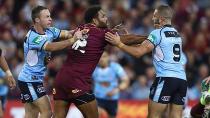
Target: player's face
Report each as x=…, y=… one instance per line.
x=45, y=19
x=103, y=62
x=157, y=19
x=102, y=19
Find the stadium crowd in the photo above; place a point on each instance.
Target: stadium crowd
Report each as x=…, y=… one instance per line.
x=192, y=19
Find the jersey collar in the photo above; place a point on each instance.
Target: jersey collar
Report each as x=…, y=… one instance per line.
x=33, y=29
x=167, y=25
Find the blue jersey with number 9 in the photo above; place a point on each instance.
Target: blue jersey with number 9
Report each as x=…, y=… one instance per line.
x=168, y=56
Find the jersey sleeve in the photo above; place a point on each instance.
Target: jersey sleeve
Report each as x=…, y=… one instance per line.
x=94, y=73
x=37, y=43
x=154, y=37
x=56, y=32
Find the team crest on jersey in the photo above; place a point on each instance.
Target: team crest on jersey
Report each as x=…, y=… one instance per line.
x=37, y=40
x=152, y=37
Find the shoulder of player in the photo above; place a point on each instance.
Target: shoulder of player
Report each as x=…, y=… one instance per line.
x=156, y=31
x=51, y=29
x=114, y=64
x=32, y=34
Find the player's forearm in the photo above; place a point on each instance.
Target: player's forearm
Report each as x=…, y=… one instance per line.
x=65, y=34
x=55, y=46
x=132, y=39
x=124, y=84
x=134, y=51
x=4, y=66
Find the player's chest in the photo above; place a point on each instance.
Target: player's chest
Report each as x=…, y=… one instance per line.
x=106, y=74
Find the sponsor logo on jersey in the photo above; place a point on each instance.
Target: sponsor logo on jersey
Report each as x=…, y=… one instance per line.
x=183, y=99
x=40, y=89
x=26, y=96
x=75, y=91
x=165, y=98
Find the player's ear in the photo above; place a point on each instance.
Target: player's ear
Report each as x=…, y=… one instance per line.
x=37, y=20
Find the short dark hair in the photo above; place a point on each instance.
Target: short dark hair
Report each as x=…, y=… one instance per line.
x=165, y=11
x=91, y=12
x=36, y=11
x=0, y=51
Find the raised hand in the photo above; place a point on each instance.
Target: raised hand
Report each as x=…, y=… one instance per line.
x=113, y=39
x=80, y=33
x=81, y=40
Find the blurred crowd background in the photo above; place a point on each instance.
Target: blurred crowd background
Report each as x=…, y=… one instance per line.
x=192, y=20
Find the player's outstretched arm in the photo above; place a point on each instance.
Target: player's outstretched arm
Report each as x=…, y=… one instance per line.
x=132, y=39
x=63, y=44
x=65, y=34
x=137, y=51
x=9, y=78
x=126, y=38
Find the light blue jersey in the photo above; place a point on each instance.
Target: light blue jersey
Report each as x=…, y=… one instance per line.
x=168, y=57
x=34, y=55
x=3, y=88
x=106, y=79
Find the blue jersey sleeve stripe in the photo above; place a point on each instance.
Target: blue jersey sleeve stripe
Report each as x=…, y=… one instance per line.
x=160, y=35
x=58, y=35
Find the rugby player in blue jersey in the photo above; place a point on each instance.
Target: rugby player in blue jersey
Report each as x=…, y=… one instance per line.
x=109, y=79
x=37, y=45
x=170, y=86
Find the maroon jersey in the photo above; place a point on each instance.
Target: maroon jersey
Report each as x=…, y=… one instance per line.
x=77, y=70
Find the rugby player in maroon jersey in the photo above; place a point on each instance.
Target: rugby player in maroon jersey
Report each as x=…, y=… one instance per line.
x=73, y=83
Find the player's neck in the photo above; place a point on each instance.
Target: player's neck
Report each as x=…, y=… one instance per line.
x=167, y=23
x=39, y=29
